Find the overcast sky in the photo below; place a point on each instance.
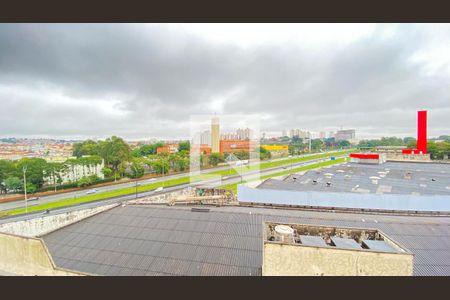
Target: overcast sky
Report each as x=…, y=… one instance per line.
x=142, y=81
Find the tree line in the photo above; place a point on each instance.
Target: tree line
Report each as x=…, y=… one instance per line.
x=298, y=145
x=438, y=148
x=38, y=170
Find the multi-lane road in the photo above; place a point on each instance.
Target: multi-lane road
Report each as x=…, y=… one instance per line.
x=217, y=182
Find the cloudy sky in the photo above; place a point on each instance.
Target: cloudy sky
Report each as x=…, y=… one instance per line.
x=146, y=80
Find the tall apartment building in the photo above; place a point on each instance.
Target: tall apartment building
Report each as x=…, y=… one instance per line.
x=205, y=138
x=300, y=133
x=215, y=135
x=347, y=134
x=244, y=134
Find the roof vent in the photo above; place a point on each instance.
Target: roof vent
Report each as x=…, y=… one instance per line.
x=284, y=233
x=374, y=179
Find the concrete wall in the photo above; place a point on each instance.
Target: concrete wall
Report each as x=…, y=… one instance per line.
x=28, y=256
x=296, y=260
x=47, y=223
x=408, y=157
x=163, y=198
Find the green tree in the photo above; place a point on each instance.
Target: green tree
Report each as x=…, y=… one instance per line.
x=7, y=169
x=161, y=166
x=31, y=188
x=137, y=169
x=150, y=149
x=316, y=144
x=215, y=159
x=412, y=144
x=107, y=172
x=84, y=181
x=54, y=171
x=445, y=138
x=184, y=146
x=13, y=184
x=88, y=147
x=35, y=170
x=264, y=154
x=408, y=140
x=296, y=147
x=343, y=144
x=116, y=152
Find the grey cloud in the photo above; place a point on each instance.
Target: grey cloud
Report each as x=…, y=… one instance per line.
x=157, y=77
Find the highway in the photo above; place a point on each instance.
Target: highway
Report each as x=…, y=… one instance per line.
x=112, y=187
x=212, y=183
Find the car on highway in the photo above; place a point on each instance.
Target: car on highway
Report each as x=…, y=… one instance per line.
x=33, y=199
x=158, y=189
x=93, y=191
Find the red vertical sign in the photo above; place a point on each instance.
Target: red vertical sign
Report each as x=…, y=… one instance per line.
x=422, y=131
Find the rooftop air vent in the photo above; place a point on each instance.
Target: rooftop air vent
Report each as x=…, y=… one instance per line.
x=284, y=233
x=374, y=179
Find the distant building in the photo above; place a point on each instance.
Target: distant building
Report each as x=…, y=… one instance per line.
x=300, y=133
x=205, y=138
x=168, y=148
x=347, y=134
x=244, y=134
x=73, y=172
x=215, y=135
x=202, y=149
x=322, y=134
x=230, y=146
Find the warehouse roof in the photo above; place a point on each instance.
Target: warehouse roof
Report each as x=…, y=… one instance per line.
x=161, y=240
x=389, y=178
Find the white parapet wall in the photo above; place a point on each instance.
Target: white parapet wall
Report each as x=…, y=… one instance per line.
x=47, y=223
x=28, y=256
x=296, y=260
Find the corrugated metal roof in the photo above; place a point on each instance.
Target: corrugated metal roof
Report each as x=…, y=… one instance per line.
x=225, y=241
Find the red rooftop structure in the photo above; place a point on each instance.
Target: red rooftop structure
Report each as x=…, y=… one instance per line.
x=421, y=135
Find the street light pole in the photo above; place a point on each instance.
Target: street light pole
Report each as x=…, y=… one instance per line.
x=24, y=169
x=309, y=142
x=241, y=172
x=136, y=183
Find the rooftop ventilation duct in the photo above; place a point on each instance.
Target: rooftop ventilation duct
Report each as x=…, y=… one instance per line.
x=374, y=179
x=284, y=233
